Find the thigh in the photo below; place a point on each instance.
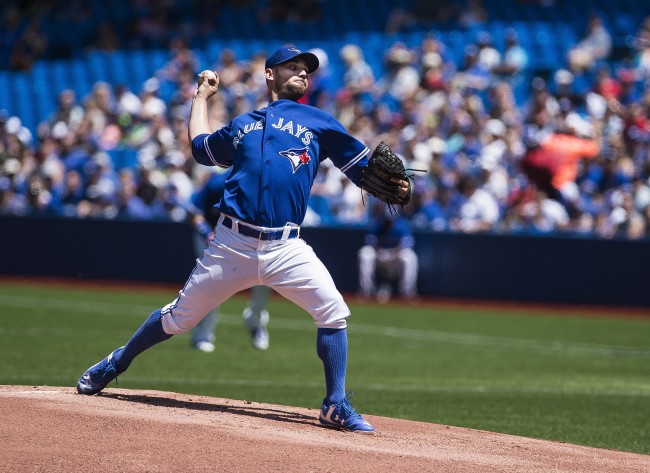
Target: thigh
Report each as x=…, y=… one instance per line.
x=228, y=265
x=296, y=273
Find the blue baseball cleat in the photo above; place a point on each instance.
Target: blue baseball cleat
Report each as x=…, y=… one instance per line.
x=343, y=416
x=98, y=376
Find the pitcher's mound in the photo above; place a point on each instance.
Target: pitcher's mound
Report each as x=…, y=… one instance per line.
x=55, y=429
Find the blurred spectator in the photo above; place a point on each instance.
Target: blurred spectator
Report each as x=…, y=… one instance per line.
x=473, y=14
x=488, y=56
x=629, y=92
x=401, y=80
x=641, y=45
x=431, y=208
x=624, y=220
x=478, y=210
x=463, y=114
x=502, y=105
x=432, y=64
x=593, y=47
x=539, y=215
x=183, y=61
x=99, y=107
x=515, y=57
x=72, y=192
x=129, y=205
x=255, y=80
x=348, y=206
x=128, y=104
x=358, y=78
x=493, y=158
x=174, y=164
x=101, y=188
x=607, y=86
x=68, y=111
x=564, y=82
x=421, y=13
x=552, y=161
x=326, y=186
x=152, y=104
x=40, y=200
x=473, y=74
x=231, y=71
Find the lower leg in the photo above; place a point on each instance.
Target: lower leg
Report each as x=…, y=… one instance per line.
x=332, y=349
x=149, y=334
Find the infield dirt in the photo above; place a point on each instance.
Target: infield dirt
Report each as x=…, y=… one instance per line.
x=53, y=429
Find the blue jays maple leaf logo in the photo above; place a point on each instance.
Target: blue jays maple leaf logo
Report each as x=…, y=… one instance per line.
x=297, y=157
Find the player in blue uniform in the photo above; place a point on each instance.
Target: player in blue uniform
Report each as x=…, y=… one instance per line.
x=388, y=251
x=274, y=155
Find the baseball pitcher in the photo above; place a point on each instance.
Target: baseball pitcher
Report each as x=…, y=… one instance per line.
x=272, y=155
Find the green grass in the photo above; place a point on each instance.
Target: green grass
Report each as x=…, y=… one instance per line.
x=552, y=375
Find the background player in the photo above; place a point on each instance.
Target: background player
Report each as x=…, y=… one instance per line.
x=274, y=153
x=388, y=253
x=205, y=216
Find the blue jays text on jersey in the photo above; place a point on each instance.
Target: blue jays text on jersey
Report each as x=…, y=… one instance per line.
x=275, y=153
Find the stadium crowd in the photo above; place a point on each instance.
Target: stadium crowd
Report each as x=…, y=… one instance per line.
x=574, y=158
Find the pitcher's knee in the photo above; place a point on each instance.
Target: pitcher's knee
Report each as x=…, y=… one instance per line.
x=338, y=323
x=175, y=321
x=333, y=316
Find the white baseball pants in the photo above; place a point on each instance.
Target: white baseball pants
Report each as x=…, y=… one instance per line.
x=233, y=262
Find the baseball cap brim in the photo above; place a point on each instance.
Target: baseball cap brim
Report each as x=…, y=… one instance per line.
x=286, y=54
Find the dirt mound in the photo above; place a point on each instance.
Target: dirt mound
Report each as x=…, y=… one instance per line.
x=54, y=429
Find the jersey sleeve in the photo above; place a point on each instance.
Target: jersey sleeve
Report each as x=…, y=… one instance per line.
x=346, y=152
x=215, y=149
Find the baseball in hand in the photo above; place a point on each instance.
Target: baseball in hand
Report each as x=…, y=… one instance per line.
x=209, y=81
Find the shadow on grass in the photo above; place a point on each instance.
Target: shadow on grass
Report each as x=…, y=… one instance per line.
x=278, y=415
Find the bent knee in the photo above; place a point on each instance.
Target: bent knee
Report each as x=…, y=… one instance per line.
x=333, y=316
x=337, y=323
x=174, y=321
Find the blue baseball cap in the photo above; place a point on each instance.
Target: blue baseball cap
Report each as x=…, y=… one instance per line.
x=287, y=53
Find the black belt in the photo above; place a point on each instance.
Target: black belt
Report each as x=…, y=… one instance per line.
x=260, y=234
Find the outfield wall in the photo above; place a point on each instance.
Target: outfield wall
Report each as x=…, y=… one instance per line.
x=515, y=268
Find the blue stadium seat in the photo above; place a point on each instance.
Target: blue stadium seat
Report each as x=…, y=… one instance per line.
x=139, y=66
x=24, y=106
x=118, y=69
x=97, y=67
x=6, y=97
x=547, y=32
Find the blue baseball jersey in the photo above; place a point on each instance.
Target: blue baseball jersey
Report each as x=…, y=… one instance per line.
x=275, y=153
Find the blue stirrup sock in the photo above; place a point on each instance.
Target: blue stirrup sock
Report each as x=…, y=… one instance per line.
x=149, y=334
x=332, y=349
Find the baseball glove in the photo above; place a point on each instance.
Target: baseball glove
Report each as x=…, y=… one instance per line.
x=383, y=166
